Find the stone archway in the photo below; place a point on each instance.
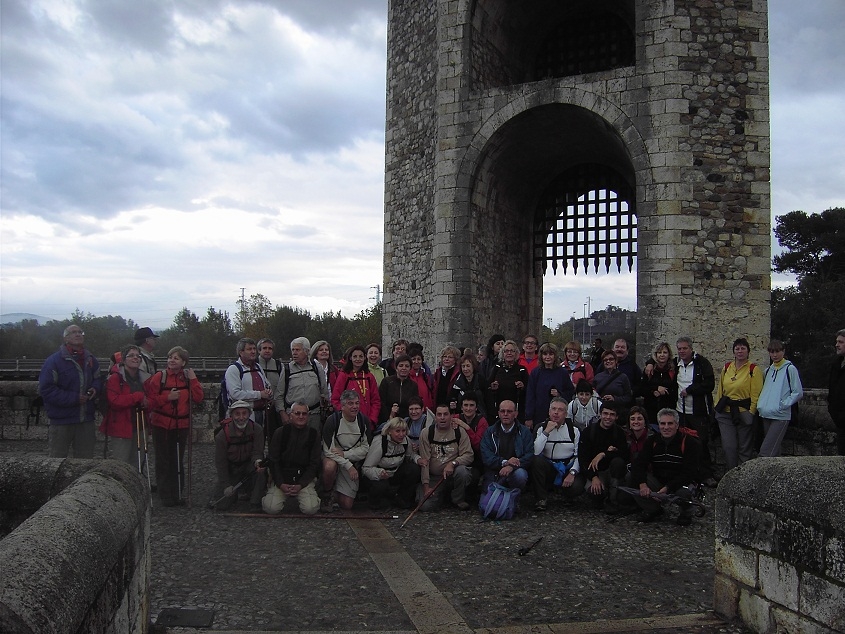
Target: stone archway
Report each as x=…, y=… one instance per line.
x=475, y=104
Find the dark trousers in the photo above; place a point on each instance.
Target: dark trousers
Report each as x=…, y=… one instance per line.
x=542, y=474
x=404, y=480
x=701, y=424
x=170, y=462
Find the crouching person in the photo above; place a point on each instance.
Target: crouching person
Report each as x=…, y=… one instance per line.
x=294, y=461
x=667, y=464
x=392, y=463
x=446, y=453
x=238, y=452
x=345, y=446
x=556, y=457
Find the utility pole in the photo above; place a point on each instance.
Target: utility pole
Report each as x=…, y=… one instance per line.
x=242, y=302
x=377, y=288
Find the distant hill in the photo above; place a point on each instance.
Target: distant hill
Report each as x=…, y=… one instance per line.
x=15, y=318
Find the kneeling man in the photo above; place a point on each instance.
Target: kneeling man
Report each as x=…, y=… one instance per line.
x=556, y=456
x=238, y=452
x=294, y=460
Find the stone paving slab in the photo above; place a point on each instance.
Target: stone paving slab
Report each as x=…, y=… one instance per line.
x=296, y=574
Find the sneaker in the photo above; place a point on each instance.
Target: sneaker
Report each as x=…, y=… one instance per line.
x=646, y=517
x=540, y=506
x=464, y=506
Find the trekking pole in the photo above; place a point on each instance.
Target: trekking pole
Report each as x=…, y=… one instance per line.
x=143, y=434
x=178, y=467
x=190, y=445
x=105, y=432
x=422, y=501
x=527, y=549
x=138, y=433
x=213, y=503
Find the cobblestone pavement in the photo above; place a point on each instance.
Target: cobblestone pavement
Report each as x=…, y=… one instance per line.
x=445, y=571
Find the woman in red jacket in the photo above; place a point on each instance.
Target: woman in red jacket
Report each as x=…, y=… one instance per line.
x=127, y=402
x=355, y=375
x=170, y=393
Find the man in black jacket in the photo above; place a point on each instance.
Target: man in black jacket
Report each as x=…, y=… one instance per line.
x=603, y=457
x=667, y=464
x=836, y=392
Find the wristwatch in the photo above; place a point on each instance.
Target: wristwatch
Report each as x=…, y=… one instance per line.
x=454, y=463
x=573, y=472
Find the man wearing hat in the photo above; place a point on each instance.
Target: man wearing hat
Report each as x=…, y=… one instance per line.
x=145, y=339
x=238, y=454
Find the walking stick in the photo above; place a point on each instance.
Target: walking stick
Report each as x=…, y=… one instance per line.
x=427, y=495
x=138, y=433
x=178, y=467
x=143, y=434
x=190, y=445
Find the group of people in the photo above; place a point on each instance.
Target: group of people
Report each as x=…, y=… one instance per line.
x=314, y=430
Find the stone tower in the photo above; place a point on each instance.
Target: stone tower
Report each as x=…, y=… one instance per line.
x=574, y=135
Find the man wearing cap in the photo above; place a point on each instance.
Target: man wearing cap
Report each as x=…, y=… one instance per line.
x=69, y=382
x=294, y=461
x=238, y=452
x=145, y=339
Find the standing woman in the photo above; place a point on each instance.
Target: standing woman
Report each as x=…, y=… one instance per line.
x=491, y=357
x=373, y=361
x=547, y=381
x=445, y=376
x=508, y=380
x=781, y=390
x=613, y=386
x=321, y=352
x=355, y=375
x=574, y=362
x=736, y=403
x=421, y=375
x=169, y=393
x=126, y=398
x=467, y=381
x=659, y=385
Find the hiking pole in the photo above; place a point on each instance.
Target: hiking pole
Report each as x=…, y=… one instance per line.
x=190, y=445
x=138, y=438
x=143, y=434
x=427, y=495
x=213, y=503
x=178, y=467
x=527, y=549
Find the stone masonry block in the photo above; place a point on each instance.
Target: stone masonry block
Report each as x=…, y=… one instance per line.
x=779, y=581
x=736, y=562
x=753, y=528
x=754, y=611
x=823, y=601
x=834, y=557
x=799, y=543
x=793, y=623
x=725, y=596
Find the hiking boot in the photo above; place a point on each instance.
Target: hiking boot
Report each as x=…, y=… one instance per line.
x=326, y=505
x=540, y=506
x=646, y=517
x=462, y=505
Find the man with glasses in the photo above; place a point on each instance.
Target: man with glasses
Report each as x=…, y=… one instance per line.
x=529, y=357
x=69, y=383
x=507, y=449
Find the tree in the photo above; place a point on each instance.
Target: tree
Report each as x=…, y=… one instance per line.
x=253, y=318
x=806, y=316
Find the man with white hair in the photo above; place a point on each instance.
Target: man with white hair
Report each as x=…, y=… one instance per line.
x=301, y=381
x=69, y=382
x=238, y=453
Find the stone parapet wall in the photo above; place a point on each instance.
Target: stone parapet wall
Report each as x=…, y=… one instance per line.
x=780, y=545
x=81, y=561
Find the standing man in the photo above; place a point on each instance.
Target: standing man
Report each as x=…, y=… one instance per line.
x=507, y=450
x=302, y=381
x=445, y=452
x=245, y=380
x=529, y=358
x=836, y=392
x=696, y=381
x=238, y=452
x=69, y=382
x=294, y=462
x=626, y=363
x=598, y=351
x=145, y=339
x=272, y=370
x=400, y=346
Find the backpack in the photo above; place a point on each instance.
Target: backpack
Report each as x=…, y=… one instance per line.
x=287, y=374
x=223, y=398
x=499, y=502
x=362, y=427
x=431, y=440
x=793, y=411
x=384, y=453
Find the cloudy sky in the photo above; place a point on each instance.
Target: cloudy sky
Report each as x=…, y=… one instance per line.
x=162, y=154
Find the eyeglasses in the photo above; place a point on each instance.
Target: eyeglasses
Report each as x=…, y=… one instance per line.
x=529, y=343
x=133, y=356
x=76, y=332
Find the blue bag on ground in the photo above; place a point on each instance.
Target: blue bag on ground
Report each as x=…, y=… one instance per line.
x=499, y=502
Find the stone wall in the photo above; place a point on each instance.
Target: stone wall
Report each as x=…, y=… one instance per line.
x=80, y=562
x=780, y=545
x=471, y=144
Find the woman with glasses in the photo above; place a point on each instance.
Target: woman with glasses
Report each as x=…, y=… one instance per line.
x=508, y=380
x=613, y=386
x=574, y=362
x=127, y=413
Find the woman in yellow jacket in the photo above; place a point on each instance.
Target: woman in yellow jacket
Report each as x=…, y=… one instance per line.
x=736, y=403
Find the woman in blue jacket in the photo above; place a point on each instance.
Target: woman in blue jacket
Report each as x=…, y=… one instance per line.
x=781, y=390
